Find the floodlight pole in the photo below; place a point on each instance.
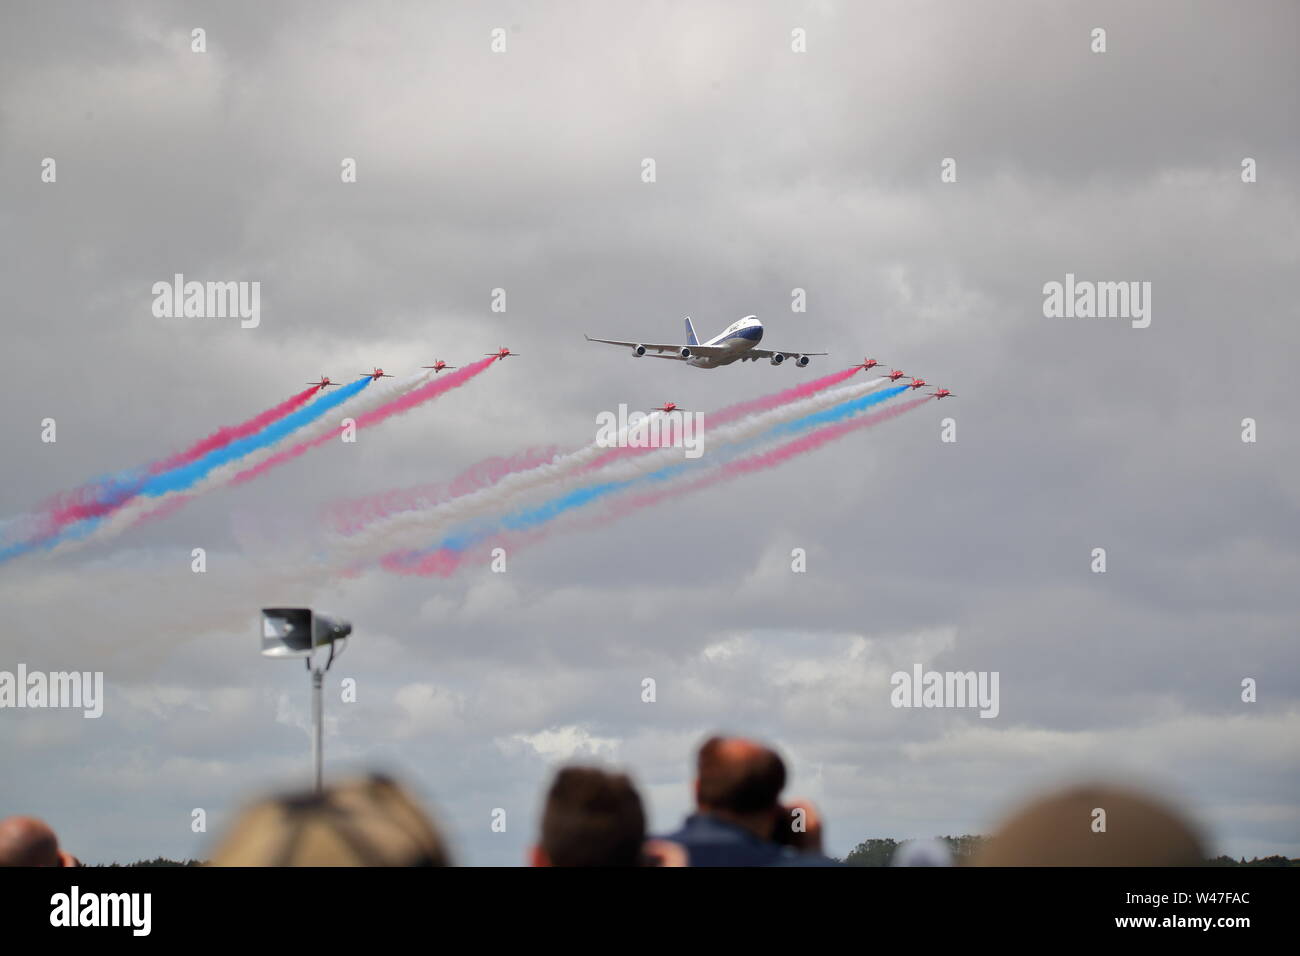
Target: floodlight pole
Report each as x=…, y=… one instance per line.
x=318, y=710
x=298, y=632
x=317, y=721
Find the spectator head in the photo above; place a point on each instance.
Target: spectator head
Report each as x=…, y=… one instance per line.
x=922, y=853
x=366, y=822
x=739, y=780
x=592, y=818
x=1063, y=829
x=27, y=841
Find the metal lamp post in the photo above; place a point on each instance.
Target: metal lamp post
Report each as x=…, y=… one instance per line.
x=297, y=632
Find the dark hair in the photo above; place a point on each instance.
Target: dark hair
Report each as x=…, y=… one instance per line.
x=738, y=776
x=592, y=818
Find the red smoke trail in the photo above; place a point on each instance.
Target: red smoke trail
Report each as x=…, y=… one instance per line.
x=89, y=501
x=350, y=517
x=101, y=498
x=167, y=507
x=445, y=562
x=732, y=412
x=795, y=448
x=768, y=402
x=224, y=436
x=402, y=403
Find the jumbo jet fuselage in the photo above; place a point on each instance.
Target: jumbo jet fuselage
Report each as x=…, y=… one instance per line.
x=737, y=338
x=737, y=342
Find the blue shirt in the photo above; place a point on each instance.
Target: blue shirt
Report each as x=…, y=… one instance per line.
x=710, y=841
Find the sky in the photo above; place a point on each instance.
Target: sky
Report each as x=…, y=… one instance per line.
x=775, y=170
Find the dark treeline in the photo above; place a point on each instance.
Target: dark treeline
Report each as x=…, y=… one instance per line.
x=879, y=852
x=156, y=861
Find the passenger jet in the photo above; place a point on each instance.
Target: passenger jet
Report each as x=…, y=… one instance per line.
x=737, y=342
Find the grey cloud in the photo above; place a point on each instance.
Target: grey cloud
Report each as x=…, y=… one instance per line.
x=775, y=171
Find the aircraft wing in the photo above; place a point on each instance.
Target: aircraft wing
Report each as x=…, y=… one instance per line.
x=701, y=350
x=768, y=353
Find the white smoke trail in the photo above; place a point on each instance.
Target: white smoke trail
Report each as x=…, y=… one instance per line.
x=372, y=396
x=416, y=529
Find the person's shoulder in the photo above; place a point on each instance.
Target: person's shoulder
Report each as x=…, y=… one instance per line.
x=699, y=827
x=710, y=842
x=731, y=854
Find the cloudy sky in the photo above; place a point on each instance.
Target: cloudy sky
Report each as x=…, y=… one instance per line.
x=776, y=170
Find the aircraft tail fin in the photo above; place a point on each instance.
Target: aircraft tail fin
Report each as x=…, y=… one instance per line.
x=690, y=333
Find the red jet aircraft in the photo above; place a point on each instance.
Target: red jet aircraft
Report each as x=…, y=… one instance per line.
x=895, y=375
x=438, y=366
x=377, y=373
x=323, y=383
x=867, y=365
x=916, y=383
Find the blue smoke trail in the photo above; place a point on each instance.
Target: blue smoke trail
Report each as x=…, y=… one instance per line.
x=188, y=475
x=70, y=533
x=524, y=519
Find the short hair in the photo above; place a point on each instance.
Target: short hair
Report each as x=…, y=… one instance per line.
x=369, y=821
x=1057, y=830
x=738, y=776
x=592, y=818
x=26, y=841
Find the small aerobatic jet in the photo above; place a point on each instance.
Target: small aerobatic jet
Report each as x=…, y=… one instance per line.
x=502, y=353
x=323, y=383
x=942, y=393
x=377, y=373
x=867, y=364
x=736, y=343
x=895, y=375
x=438, y=365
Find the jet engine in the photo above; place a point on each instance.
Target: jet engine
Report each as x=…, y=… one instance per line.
x=802, y=361
x=778, y=358
x=638, y=350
